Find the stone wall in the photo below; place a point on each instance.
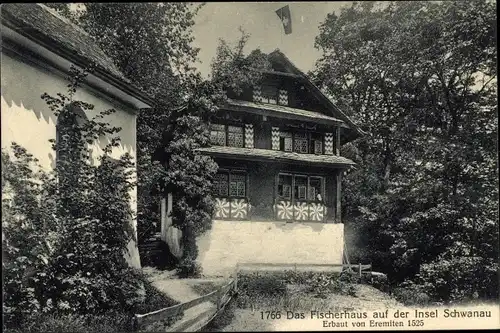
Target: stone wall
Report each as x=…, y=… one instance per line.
x=232, y=242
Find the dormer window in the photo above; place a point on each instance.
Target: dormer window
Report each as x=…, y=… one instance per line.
x=270, y=95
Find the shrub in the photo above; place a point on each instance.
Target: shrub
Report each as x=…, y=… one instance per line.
x=460, y=278
x=263, y=284
x=66, y=231
x=410, y=294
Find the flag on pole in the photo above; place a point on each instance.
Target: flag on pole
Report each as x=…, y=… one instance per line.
x=286, y=19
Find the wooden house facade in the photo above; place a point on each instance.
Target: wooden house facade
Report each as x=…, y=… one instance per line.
x=277, y=145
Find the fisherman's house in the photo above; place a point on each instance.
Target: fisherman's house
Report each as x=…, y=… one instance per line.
x=278, y=188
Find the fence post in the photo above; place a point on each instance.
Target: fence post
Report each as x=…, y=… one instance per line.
x=359, y=269
x=219, y=299
x=135, y=323
x=236, y=279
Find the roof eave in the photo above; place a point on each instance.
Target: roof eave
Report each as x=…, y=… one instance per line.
x=262, y=110
x=242, y=156
x=77, y=59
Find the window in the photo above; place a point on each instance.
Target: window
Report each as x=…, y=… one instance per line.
x=218, y=134
x=237, y=186
x=74, y=116
x=286, y=141
x=316, y=143
x=285, y=186
x=221, y=184
x=315, y=188
x=221, y=135
x=301, y=187
x=270, y=94
x=300, y=143
x=235, y=136
x=228, y=184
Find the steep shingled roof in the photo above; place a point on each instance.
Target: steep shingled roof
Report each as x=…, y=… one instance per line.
x=37, y=20
x=336, y=111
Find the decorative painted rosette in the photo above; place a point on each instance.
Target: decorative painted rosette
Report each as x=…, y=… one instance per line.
x=285, y=210
x=221, y=208
x=301, y=211
x=239, y=209
x=317, y=212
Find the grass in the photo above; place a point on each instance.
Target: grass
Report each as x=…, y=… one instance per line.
x=223, y=319
x=204, y=288
x=290, y=290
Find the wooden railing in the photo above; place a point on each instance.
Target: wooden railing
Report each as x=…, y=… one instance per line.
x=223, y=295
x=219, y=297
x=296, y=266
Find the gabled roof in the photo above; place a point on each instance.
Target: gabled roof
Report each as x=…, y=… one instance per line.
x=47, y=28
x=291, y=70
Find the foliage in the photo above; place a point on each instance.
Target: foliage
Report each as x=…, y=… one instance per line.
x=421, y=79
x=319, y=284
x=151, y=44
x=108, y=322
x=66, y=231
x=411, y=294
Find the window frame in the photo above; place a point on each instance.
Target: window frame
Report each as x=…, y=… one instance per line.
x=226, y=134
x=275, y=94
x=230, y=173
x=293, y=196
x=311, y=138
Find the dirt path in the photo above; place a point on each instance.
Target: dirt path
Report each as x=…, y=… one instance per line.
x=181, y=290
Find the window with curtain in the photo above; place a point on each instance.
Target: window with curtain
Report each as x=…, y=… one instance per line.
x=316, y=188
x=269, y=94
x=286, y=143
x=285, y=186
x=301, y=187
x=316, y=146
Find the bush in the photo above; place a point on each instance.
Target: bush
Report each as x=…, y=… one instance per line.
x=66, y=231
x=188, y=268
x=410, y=294
x=460, y=279
x=319, y=284
x=266, y=284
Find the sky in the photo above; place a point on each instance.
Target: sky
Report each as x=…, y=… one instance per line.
x=222, y=19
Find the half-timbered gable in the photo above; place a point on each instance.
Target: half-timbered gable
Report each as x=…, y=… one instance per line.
x=277, y=144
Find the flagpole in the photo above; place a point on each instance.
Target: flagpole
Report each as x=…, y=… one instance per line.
x=281, y=36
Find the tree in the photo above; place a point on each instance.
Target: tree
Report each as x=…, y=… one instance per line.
x=151, y=45
x=421, y=79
